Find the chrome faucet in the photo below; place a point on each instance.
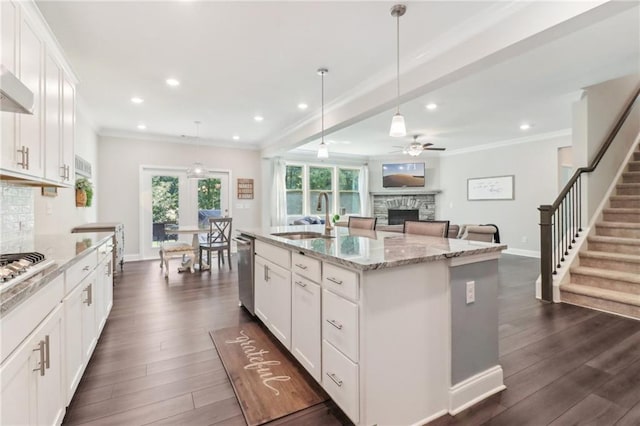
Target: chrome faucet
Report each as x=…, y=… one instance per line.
x=327, y=220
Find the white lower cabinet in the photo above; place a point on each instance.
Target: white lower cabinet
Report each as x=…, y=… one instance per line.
x=305, y=325
x=340, y=380
x=74, y=305
x=104, y=291
x=273, y=298
x=89, y=327
x=32, y=377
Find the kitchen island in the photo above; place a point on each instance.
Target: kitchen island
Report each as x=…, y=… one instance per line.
x=399, y=329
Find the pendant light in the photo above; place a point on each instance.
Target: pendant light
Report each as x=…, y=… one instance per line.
x=398, y=127
x=197, y=169
x=323, y=150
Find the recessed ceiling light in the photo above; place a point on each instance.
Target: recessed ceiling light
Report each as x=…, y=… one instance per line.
x=258, y=118
x=173, y=82
x=236, y=137
x=525, y=126
x=142, y=127
x=432, y=106
x=303, y=106
x=137, y=100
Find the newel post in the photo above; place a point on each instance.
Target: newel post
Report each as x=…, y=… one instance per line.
x=546, y=252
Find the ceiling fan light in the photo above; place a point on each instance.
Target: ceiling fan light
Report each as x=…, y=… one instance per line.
x=323, y=150
x=398, y=128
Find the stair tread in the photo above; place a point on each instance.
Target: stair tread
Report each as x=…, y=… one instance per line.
x=622, y=210
x=629, y=185
x=612, y=295
x=614, y=240
x=613, y=256
x=607, y=224
x=629, y=277
x=625, y=197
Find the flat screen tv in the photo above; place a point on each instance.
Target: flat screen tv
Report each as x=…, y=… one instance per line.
x=402, y=175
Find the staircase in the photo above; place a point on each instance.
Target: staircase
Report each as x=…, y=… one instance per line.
x=608, y=275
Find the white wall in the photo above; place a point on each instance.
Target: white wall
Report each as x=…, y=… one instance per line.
x=119, y=161
x=534, y=165
x=57, y=215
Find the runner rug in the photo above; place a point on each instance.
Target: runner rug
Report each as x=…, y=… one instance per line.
x=267, y=382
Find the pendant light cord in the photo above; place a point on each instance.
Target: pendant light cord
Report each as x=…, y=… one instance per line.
x=398, y=63
x=322, y=99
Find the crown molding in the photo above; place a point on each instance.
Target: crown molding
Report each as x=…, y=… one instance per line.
x=125, y=134
x=509, y=142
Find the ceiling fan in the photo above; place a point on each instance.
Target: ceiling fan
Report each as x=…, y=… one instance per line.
x=415, y=148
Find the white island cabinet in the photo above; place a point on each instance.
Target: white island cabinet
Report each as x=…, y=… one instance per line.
x=381, y=320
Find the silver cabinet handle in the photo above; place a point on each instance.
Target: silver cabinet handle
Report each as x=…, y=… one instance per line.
x=109, y=268
x=89, y=291
x=47, y=351
x=301, y=266
x=301, y=284
x=266, y=273
x=41, y=366
x=334, y=280
x=23, y=161
x=27, y=158
x=63, y=175
x=86, y=268
x=68, y=172
x=335, y=379
x=335, y=323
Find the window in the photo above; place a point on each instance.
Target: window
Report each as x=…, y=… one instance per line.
x=348, y=191
x=304, y=183
x=320, y=180
x=293, y=182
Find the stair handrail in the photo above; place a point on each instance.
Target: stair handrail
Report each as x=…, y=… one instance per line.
x=557, y=237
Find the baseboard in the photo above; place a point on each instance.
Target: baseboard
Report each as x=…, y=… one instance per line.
x=430, y=418
x=132, y=257
x=476, y=388
x=521, y=252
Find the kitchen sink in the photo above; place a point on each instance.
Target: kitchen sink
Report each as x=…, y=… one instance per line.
x=302, y=235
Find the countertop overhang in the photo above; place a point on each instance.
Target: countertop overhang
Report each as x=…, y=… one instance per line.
x=369, y=250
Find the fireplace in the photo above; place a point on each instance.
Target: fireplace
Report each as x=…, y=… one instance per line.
x=398, y=216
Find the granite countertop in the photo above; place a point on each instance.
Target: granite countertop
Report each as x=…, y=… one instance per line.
x=65, y=250
x=368, y=250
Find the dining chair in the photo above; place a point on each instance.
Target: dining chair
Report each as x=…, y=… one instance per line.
x=362, y=222
x=433, y=228
x=218, y=239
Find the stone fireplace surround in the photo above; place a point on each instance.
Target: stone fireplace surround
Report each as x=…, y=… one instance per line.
x=424, y=201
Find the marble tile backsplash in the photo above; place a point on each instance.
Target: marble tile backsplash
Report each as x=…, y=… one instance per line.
x=16, y=211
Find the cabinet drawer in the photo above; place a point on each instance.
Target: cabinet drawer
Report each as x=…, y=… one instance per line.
x=340, y=323
x=17, y=325
x=341, y=281
x=340, y=380
x=80, y=270
x=105, y=250
x=306, y=266
x=277, y=255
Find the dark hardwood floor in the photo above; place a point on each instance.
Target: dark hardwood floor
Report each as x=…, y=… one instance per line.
x=155, y=362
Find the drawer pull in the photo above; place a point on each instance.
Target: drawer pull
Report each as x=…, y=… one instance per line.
x=335, y=379
x=41, y=364
x=47, y=343
x=334, y=280
x=301, y=284
x=301, y=266
x=86, y=268
x=335, y=323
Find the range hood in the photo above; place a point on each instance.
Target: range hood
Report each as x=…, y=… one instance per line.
x=14, y=95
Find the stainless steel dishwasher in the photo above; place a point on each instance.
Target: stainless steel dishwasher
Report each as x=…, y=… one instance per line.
x=246, y=252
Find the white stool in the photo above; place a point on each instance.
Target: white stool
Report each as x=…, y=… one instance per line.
x=176, y=250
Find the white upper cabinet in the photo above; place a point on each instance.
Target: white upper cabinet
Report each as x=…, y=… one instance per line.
x=39, y=146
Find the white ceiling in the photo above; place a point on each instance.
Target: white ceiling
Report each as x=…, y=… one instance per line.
x=239, y=59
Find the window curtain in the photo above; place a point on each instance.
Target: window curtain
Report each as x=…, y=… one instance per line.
x=363, y=189
x=279, y=190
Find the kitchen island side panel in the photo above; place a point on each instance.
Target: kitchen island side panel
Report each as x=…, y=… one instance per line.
x=474, y=326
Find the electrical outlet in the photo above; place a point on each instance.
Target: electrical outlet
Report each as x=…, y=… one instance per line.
x=471, y=292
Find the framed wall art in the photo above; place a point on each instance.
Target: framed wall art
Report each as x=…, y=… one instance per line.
x=490, y=188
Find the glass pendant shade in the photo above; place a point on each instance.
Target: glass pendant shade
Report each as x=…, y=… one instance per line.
x=398, y=128
x=323, y=150
x=196, y=171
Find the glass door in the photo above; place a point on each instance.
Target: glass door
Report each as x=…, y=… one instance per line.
x=170, y=200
